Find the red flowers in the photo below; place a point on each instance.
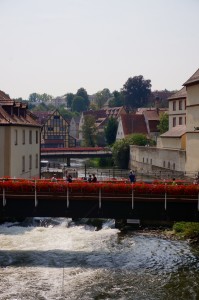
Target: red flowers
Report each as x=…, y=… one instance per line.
x=60, y=186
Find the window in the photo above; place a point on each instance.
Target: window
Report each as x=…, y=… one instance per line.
x=37, y=137
x=164, y=164
x=174, y=105
x=36, y=161
x=174, y=121
x=143, y=159
x=23, y=164
x=147, y=160
x=151, y=161
x=30, y=137
x=180, y=105
x=23, y=137
x=180, y=120
x=16, y=137
x=174, y=166
x=30, y=162
x=169, y=165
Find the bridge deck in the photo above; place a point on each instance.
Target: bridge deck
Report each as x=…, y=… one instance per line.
x=100, y=205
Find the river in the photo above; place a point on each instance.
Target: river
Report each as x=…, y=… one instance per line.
x=56, y=262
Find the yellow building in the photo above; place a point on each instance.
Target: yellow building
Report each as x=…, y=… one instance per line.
x=19, y=140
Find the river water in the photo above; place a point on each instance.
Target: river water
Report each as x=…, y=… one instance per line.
x=58, y=262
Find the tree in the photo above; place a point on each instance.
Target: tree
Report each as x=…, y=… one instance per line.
x=69, y=99
x=83, y=93
x=78, y=104
x=89, y=131
x=136, y=91
x=117, y=99
x=164, y=123
x=45, y=97
x=111, y=130
x=102, y=96
x=121, y=148
x=34, y=97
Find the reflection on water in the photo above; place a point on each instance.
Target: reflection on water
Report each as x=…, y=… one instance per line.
x=78, y=262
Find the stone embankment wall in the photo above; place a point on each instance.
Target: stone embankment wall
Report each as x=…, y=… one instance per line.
x=150, y=159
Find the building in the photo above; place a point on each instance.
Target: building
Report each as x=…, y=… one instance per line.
x=101, y=119
x=74, y=127
x=55, y=132
x=20, y=140
x=129, y=124
x=145, y=121
x=177, y=149
x=192, y=123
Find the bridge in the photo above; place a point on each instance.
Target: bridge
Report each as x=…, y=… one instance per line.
x=98, y=200
x=75, y=152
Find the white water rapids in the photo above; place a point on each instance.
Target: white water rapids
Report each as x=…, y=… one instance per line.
x=61, y=262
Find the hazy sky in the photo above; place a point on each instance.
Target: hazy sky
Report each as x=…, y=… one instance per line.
x=58, y=46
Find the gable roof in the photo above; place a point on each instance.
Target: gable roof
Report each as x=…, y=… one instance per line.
x=193, y=79
x=15, y=112
x=176, y=131
x=133, y=123
x=179, y=95
x=5, y=99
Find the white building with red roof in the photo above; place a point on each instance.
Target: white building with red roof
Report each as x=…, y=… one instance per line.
x=20, y=140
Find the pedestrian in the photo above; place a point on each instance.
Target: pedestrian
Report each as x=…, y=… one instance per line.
x=89, y=178
x=132, y=177
x=174, y=181
x=54, y=179
x=94, y=179
x=69, y=178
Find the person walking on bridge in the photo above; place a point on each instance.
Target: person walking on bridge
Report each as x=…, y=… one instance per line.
x=132, y=177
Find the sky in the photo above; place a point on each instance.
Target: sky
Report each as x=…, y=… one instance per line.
x=59, y=46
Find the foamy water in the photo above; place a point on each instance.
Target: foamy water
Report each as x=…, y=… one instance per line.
x=81, y=263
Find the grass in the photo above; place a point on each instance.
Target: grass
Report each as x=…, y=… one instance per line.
x=187, y=230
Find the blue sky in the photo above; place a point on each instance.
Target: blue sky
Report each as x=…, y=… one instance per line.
x=58, y=46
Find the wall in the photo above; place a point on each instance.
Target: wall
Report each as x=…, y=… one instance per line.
x=19, y=150
x=151, y=158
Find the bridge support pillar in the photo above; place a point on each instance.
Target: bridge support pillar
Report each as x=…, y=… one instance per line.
x=68, y=161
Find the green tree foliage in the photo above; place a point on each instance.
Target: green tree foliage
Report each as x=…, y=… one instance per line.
x=164, y=123
x=121, y=149
x=136, y=91
x=67, y=115
x=83, y=93
x=35, y=97
x=117, y=99
x=41, y=107
x=111, y=130
x=137, y=139
x=101, y=97
x=79, y=104
x=89, y=131
x=69, y=99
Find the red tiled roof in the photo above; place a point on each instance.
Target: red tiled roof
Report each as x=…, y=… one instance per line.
x=133, y=124
x=5, y=99
x=153, y=125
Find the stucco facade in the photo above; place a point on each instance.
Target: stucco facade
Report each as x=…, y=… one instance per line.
x=20, y=140
x=152, y=159
x=177, y=149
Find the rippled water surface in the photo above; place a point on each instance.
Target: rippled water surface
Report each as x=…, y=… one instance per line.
x=81, y=263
